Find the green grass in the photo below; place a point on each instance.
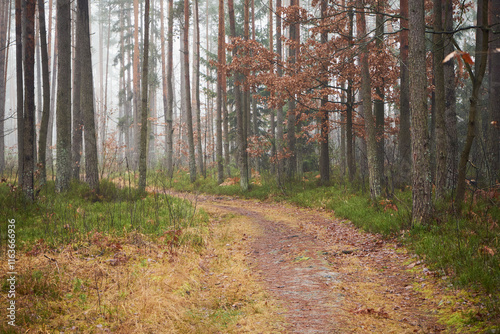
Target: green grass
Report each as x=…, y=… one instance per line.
x=81, y=215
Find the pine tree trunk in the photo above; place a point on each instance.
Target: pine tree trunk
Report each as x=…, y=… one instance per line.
x=42, y=146
x=143, y=154
x=404, y=146
x=271, y=111
x=196, y=84
x=137, y=87
x=77, y=112
x=279, y=112
x=324, y=159
x=477, y=79
x=4, y=32
x=440, y=105
x=87, y=98
x=350, y=147
x=371, y=140
x=240, y=112
x=63, y=120
x=20, y=91
x=170, y=91
x=450, y=103
x=187, y=89
x=29, y=106
x=291, y=163
x=221, y=55
x=494, y=106
x=421, y=192
x=378, y=105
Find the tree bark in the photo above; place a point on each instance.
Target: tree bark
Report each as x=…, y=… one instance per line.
x=421, y=192
x=137, y=88
x=291, y=162
x=404, y=146
x=242, y=156
x=63, y=121
x=324, y=159
x=371, y=141
x=77, y=112
x=189, y=113
x=87, y=98
x=29, y=106
x=221, y=55
x=477, y=79
x=279, y=110
x=494, y=103
x=20, y=90
x=440, y=103
x=42, y=141
x=4, y=33
x=144, y=107
x=450, y=103
x=196, y=84
x=170, y=92
x=378, y=104
x=350, y=146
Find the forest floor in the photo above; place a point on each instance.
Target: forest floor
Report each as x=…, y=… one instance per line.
x=329, y=277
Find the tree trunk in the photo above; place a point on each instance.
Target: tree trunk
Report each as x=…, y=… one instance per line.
x=77, y=112
x=279, y=111
x=20, y=90
x=4, y=33
x=404, y=147
x=170, y=91
x=324, y=159
x=87, y=98
x=246, y=98
x=42, y=144
x=421, y=192
x=137, y=87
x=450, y=104
x=189, y=113
x=440, y=106
x=378, y=105
x=221, y=55
x=494, y=106
x=242, y=156
x=196, y=84
x=350, y=147
x=271, y=111
x=477, y=80
x=63, y=120
x=371, y=140
x=29, y=106
x=291, y=163
x=144, y=107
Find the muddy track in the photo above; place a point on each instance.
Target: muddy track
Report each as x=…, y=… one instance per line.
x=327, y=275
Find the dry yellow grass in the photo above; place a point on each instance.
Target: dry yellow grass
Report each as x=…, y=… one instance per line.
x=134, y=284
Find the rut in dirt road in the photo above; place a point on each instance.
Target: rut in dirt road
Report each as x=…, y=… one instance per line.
x=327, y=275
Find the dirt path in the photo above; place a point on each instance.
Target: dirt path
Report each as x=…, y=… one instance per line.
x=328, y=276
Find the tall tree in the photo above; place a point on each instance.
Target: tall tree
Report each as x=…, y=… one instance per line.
x=291, y=163
x=242, y=154
x=476, y=76
x=77, y=141
x=4, y=33
x=404, y=146
x=494, y=107
x=350, y=145
x=63, y=121
x=20, y=89
x=136, y=85
x=144, y=106
x=196, y=84
x=221, y=57
x=42, y=141
x=187, y=85
x=421, y=192
x=324, y=160
x=440, y=106
x=279, y=110
x=170, y=91
x=87, y=97
x=378, y=104
x=29, y=106
x=371, y=140
x=451, y=101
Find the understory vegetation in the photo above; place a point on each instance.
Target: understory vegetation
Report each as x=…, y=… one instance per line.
x=122, y=261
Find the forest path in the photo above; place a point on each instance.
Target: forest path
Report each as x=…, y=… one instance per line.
x=326, y=274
